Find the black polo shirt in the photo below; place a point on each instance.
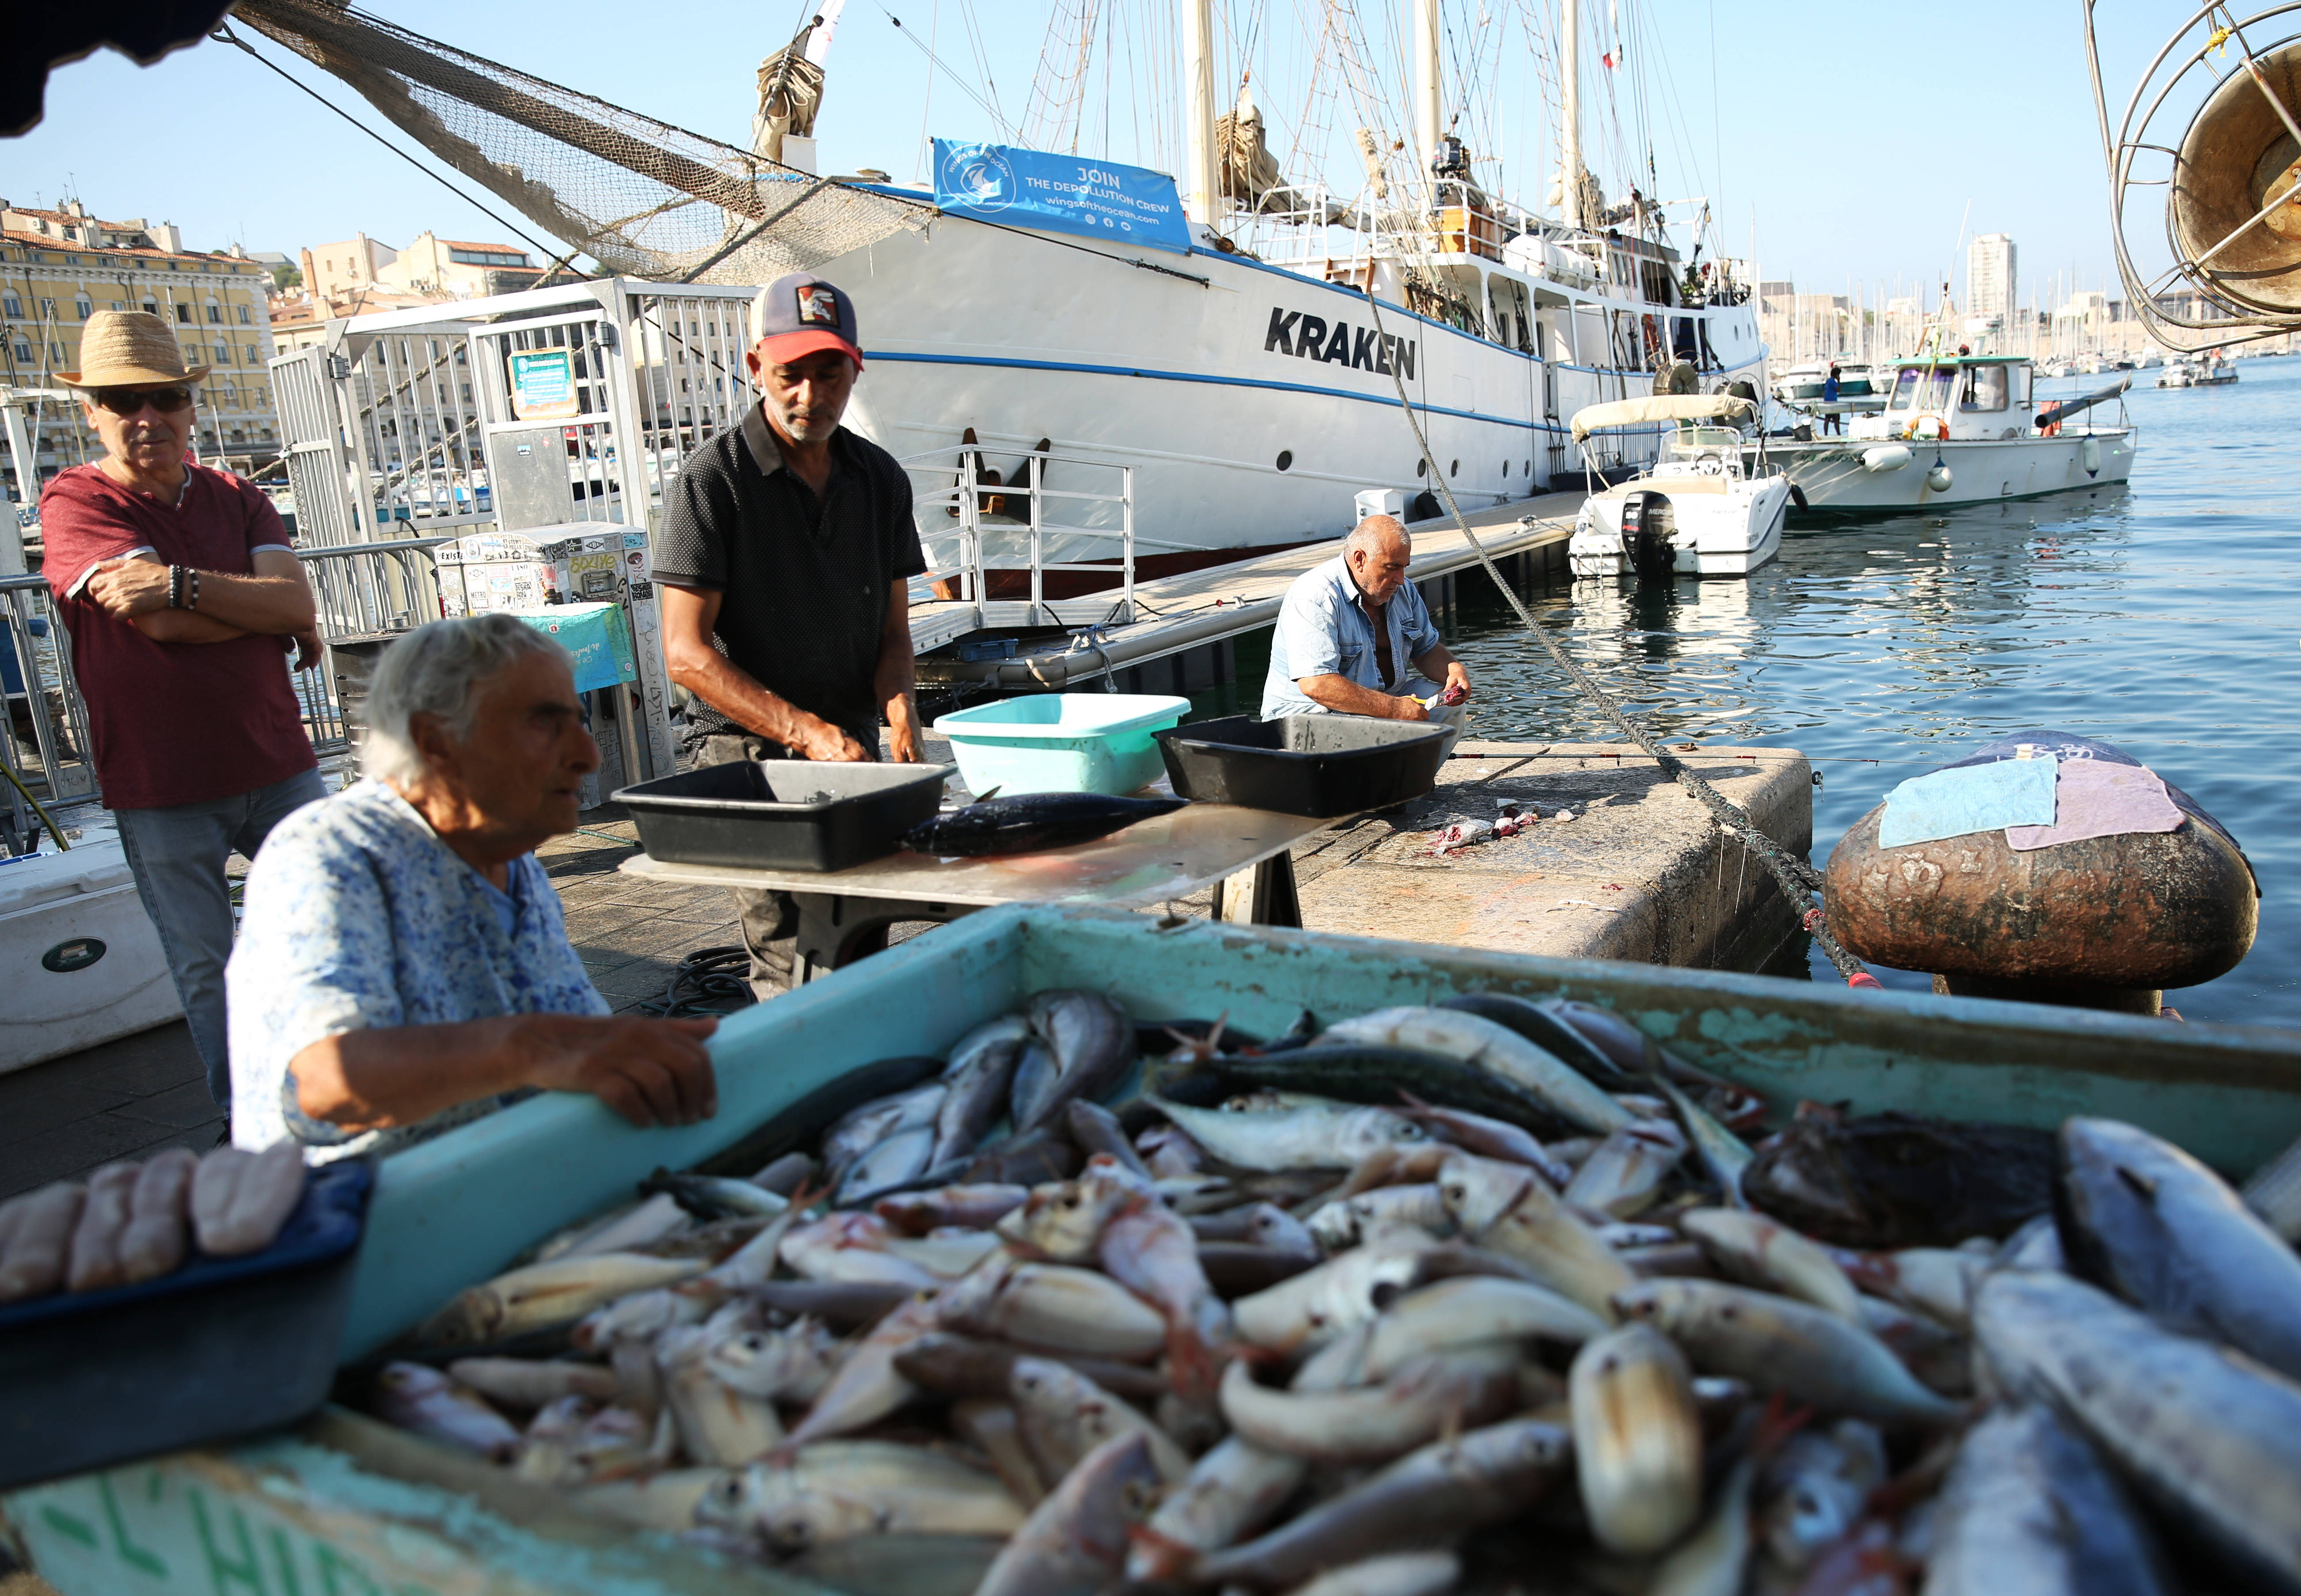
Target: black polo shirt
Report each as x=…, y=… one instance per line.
x=805, y=580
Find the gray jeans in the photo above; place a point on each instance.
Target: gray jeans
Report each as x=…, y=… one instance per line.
x=178, y=856
x=769, y=919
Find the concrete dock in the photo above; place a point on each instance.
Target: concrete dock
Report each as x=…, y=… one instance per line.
x=1639, y=873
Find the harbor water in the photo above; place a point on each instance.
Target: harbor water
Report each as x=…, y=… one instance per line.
x=2163, y=617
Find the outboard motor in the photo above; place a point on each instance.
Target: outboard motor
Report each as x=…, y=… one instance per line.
x=1649, y=532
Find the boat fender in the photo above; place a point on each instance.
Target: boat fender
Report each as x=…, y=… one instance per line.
x=1941, y=478
x=1797, y=495
x=1886, y=456
x=2093, y=456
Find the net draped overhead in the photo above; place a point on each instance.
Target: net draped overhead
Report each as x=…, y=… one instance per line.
x=642, y=197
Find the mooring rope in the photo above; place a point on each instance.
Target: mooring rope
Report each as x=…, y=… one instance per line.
x=1797, y=879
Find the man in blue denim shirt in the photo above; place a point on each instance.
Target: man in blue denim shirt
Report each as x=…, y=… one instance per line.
x=1355, y=638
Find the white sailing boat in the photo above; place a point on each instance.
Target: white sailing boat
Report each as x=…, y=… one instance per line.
x=1248, y=384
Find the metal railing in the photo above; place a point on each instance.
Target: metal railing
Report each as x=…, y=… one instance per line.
x=364, y=590
x=985, y=536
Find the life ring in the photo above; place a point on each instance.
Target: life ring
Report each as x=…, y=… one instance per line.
x=1931, y=428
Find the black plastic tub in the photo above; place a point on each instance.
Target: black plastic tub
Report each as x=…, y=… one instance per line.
x=219, y=1349
x=1314, y=764
x=783, y=813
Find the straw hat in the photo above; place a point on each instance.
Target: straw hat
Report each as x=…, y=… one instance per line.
x=124, y=348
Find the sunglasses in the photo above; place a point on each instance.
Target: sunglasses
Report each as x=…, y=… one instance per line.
x=130, y=401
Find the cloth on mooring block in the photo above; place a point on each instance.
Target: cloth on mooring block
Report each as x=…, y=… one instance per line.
x=2093, y=797
x=1972, y=798
x=594, y=635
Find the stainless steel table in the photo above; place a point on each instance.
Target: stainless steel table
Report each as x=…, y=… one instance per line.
x=844, y=915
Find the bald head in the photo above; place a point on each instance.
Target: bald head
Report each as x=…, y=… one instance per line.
x=1377, y=551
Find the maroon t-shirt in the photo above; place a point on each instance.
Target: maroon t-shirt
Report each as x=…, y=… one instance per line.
x=173, y=722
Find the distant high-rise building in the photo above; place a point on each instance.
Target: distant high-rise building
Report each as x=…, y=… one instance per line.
x=1990, y=275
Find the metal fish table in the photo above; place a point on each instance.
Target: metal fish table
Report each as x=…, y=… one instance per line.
x=349, y=1504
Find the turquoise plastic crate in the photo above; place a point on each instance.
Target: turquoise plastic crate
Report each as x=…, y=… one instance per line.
x=1062, y=742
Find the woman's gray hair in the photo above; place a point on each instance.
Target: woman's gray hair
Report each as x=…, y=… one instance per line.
x=437, y=669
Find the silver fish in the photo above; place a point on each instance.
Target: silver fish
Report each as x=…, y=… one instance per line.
x=717, y=1424
x=2213, y=1439
x=1624, y=1177
x=419, y=1397
x=1323, y=1135
x=1778, y=1345
x=861, y=1128
x=790, y=1365
x=1427, y=1394
x=1759, y=1251
x=1074, y=1542
x=852, y=1246
x=1511, y=1211
x=1715, y=1559
x=2029, y=1507
x=980, y=1076
x=1319, y=1304
x=1814, y=1487
x=1092, y=1040
x=533, y=1383
x=1490, y=1047
x=976, y=1207
x=1432, y=1494
x=1393, y=1574
x=838, y=1489
x=1638, y=1440
x=867, y=1388
x=1054, y=1308
x=1063, y=1416
x=1469, y=1311
x=898, y=1161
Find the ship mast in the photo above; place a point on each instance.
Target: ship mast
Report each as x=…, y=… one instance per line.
x=1570, y=98
x=1201, y=194
x=1428, y=123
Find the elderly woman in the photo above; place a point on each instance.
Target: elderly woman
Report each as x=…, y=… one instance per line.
x=402, y=965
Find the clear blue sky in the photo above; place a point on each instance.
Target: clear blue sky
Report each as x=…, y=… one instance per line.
x=1855, y=136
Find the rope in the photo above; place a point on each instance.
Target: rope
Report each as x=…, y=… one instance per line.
x=47, y=819
x=1797, y=879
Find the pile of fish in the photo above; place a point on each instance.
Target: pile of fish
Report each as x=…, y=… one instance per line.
x=1484, y=1296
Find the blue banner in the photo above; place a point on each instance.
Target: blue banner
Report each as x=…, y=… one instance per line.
x=1095, y=199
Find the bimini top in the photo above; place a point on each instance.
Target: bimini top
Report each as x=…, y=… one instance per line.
x=1662, y=408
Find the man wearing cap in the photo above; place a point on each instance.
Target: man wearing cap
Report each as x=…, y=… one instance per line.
x=181, y=593
x=785, y=548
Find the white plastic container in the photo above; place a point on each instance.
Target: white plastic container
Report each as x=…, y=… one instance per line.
x=78, y=960
x=1061, y=742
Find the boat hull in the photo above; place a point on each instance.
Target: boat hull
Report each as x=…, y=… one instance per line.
x=1715, y=534
x=1834, y=478
x=1240, y=438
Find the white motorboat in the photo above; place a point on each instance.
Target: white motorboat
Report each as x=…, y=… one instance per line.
x=2180, y=374
x=1958, y=430
x=2210, y=370
x=1702, y=508
x=1801, y=387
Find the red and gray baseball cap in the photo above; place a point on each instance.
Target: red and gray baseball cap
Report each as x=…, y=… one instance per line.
x=799, y=314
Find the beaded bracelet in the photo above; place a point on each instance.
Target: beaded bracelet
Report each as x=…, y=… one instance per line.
x=175, y=586
x=193, y=603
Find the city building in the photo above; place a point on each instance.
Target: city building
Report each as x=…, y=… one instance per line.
x=59, y=267
x=1990, y=275
x=453, y=269
x=341, y=272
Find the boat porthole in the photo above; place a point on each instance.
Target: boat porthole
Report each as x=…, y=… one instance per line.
x=1505, y=468
x=1422, y=468
x=1285, y=458
x=1529, y=468
x=1454, y=469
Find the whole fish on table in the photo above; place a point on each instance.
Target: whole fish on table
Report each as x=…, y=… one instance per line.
x=1030, y=823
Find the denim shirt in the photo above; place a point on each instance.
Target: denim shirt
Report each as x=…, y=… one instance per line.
x=358, y=916
x=1323, y=630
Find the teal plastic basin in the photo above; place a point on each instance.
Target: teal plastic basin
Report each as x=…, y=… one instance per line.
x=1062, y=742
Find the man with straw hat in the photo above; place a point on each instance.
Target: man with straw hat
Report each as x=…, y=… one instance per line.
x=181, y=593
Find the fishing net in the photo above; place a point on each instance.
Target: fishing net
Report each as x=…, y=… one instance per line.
x=642, y=197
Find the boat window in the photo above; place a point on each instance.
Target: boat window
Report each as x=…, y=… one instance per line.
x=1919, y=387
x=1984, y=388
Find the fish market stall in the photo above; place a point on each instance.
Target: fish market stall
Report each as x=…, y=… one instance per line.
x=1582, y=1208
